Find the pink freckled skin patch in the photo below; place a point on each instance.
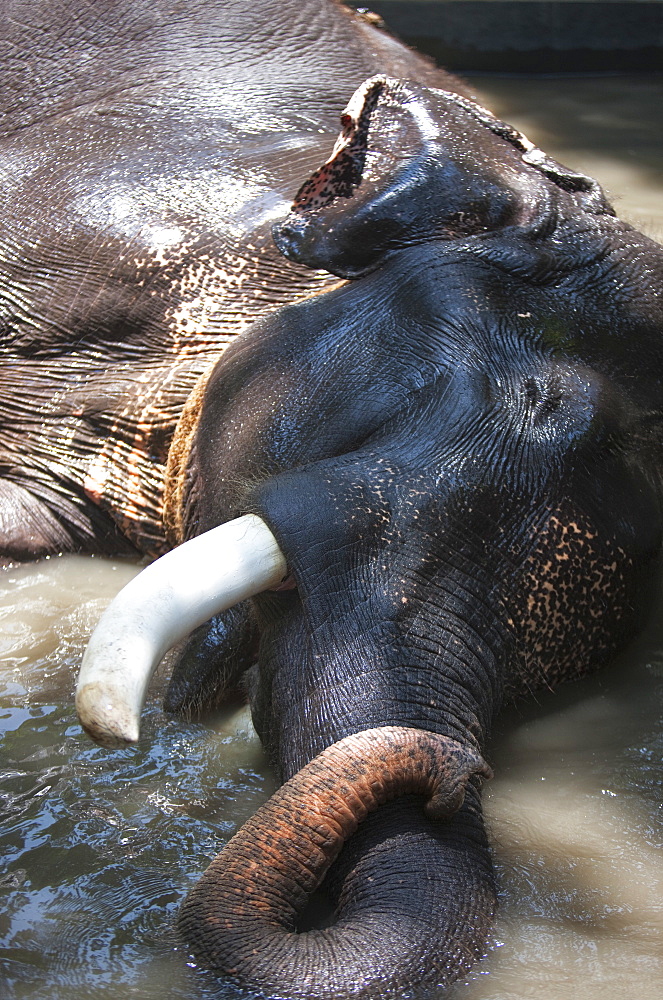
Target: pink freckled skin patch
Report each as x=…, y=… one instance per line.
x=95, y=481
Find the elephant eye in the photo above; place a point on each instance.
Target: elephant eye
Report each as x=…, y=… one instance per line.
x=541, y=397
x=564, y=403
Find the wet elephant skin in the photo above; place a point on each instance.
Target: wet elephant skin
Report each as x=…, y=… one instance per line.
x=145, y=149
x=457, y=443
x=459, y=451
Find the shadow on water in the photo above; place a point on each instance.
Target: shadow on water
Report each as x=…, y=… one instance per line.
x=99, y=847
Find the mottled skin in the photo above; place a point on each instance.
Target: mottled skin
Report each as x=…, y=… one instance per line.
x=459, y=452
x=146, y=147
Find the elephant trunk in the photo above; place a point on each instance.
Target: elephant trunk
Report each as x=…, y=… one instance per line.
x=394, y=919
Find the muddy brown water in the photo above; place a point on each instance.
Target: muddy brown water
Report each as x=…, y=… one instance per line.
x=97, y=848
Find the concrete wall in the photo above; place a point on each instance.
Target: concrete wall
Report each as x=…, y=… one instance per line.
x=549, y=36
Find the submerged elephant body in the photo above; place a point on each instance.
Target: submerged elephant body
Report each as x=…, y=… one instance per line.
x=449, y=442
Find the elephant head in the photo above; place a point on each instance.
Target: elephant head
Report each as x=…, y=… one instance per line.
x=451, y=462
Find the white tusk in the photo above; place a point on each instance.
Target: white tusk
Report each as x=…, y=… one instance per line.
x=160, y=606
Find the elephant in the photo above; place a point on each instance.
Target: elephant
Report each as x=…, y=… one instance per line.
x=146, y=147
x=398, y=504
x=398, y=403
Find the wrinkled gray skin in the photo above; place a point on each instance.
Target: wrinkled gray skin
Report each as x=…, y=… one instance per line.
x=146, y=147
x=457, y=449
x=459, y=452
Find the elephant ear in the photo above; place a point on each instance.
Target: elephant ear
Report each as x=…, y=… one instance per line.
x=414, y=164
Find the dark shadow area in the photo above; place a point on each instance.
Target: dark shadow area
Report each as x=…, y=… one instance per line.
x=532, y=36
x=319, y=913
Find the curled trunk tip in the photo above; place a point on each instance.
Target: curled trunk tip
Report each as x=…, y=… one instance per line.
x=245, y=908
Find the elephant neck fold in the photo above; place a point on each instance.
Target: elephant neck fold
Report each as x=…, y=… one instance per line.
x=177, y=479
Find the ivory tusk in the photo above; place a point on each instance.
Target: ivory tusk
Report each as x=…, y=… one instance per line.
x=160, y=606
